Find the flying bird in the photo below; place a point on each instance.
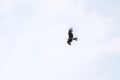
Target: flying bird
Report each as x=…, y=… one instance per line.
x=70, y=35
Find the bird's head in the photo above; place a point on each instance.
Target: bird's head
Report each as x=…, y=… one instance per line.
x=70, y=30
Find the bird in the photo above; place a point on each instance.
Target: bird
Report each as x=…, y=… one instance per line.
x=70, y=35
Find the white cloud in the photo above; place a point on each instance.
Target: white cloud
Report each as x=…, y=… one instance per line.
x=57, y=5
x=37, y=49
x=111, y=46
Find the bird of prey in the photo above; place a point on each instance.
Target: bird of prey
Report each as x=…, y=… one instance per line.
x=71, y=38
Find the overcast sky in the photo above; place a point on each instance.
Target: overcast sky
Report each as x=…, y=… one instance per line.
x=33, y=35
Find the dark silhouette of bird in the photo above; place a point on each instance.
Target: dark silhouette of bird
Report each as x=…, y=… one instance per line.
x=71, y=38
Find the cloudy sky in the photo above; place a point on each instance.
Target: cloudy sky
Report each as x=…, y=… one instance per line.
x=33, y=36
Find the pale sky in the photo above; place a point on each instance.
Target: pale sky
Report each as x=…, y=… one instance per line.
x=33, y=35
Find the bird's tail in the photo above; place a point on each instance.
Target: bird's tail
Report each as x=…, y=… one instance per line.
x=75, y=39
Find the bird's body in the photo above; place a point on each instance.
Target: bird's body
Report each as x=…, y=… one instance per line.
x=70, y=34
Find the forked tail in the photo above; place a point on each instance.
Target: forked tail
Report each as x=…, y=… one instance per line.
x=75, y=39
